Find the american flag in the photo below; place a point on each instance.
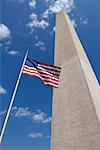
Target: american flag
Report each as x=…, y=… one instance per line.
x=49, y=74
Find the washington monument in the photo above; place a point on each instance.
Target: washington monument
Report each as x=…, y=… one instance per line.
x=76, y=103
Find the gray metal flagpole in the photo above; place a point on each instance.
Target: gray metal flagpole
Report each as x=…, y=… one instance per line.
x=12, y=98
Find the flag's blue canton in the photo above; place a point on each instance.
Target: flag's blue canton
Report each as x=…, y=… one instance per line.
x=31, y=63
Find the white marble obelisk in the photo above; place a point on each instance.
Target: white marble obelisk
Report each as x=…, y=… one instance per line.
x=76, y=103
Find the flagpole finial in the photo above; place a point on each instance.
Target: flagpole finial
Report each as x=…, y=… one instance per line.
x=27, y=51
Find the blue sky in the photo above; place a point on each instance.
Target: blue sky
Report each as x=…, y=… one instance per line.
x=30, y=24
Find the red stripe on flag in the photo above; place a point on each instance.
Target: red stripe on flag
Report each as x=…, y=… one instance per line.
x=51, y=72
x=42, y=72
x=48, y=65
x=45, y=79
x=50, y=68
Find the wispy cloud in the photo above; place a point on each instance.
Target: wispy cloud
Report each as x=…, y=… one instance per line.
x=3, y=112
x=41, y=117
x=79, y=21
x=40, y=45
x=37, y=23
x=12, y=52
x=53, y=30
x=57, y=6
x=23, y=112
x=35, y=135
x=47, y=120
x=36, y=37
x=53, y=6
x=14, y=108
x=4, y=32
x=32, y=3
x=47, y=136
x=36, y=116
x=74, y=23
x=83, y=21
x=2, y=90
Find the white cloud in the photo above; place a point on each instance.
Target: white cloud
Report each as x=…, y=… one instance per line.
x=47, y=136
x=57, y=6
x=39, y=117
x=3, y=112
x=47, y=120
x=23, y=112
x=79, y=21
x=4, y=32
x=12, y=52
x=35, y=135
x=53, y=30
x=14, y=108
x=74, y=23
x=40, y=45
x=36, y=23
x=32, y=3
x=46, y=13
x=2, y=90
x=36, y=37
x=33, y=16
x=83, y=21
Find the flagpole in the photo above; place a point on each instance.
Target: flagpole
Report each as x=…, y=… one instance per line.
x=12, y=98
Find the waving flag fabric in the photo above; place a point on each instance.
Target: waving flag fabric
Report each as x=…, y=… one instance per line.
x=48, y=73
